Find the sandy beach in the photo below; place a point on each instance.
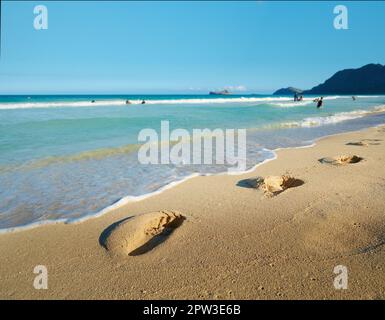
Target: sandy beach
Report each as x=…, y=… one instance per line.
x=218, y=237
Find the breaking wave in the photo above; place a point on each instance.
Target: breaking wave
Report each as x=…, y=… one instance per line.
x=274, y=101
x=331, y=119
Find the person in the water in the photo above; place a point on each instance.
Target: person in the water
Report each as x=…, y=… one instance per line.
x=143, y=102
x=128, y=102
x=354, y=98
x=320, y=102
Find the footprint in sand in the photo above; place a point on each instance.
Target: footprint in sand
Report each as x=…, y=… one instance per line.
x=373, y=142
x=364, y=143
x=138, y=235
x=341, y=160
x=358, y=144
x=272, y=185
x=337, y=233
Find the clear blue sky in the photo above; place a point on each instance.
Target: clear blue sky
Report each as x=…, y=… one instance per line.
x=183, y=47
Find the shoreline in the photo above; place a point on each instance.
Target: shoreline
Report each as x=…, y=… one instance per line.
x=235, y=243
x=50, y=208
x=126, y=200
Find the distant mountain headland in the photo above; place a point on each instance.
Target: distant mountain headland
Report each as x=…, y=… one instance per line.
x=287, y=91
x=369, y=79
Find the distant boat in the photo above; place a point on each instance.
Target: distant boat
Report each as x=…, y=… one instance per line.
x=219, y=93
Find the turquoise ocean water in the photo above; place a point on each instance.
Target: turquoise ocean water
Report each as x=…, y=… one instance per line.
x=64, y=158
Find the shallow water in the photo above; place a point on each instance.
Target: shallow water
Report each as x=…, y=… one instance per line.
x=66, y=158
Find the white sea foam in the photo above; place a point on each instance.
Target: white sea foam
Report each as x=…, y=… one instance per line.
x=30, y=105
x=274, y=101
x=116, y=102
x=305, y=102
x=333, y=118
x=290, y=104
x=369, y=96
x=121, y=102
x=130, y=199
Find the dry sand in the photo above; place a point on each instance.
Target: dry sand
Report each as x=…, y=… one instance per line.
x=219, y=237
